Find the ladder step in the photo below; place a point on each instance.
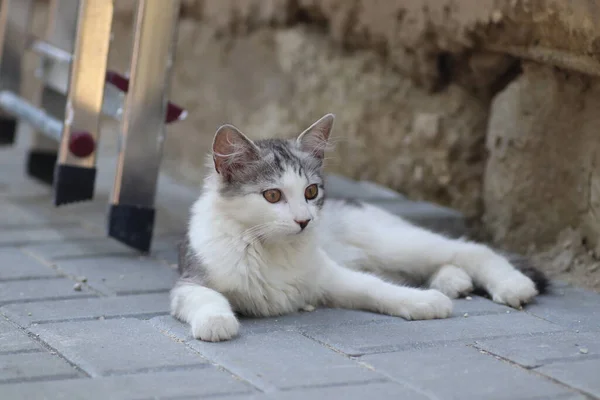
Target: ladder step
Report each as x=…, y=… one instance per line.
x=49, y=51
x=81, y=144
x=22, y=109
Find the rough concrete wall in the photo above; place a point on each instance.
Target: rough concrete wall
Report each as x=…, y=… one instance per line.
x=412, y=85
x=542, y=183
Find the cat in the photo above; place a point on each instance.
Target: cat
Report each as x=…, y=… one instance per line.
x=264, y=241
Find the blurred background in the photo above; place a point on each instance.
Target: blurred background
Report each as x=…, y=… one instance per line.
x=487, y=106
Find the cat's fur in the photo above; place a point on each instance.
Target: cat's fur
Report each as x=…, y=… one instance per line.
x=246, y=255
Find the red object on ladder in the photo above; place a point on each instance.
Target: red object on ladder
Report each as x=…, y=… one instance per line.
x=121, y=82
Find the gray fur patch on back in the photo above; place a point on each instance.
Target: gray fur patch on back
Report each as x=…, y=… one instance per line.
x=353, y=203
x=276, y=157
x=189, y=266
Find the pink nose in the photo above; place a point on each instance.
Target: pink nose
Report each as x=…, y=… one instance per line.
x=302, y=223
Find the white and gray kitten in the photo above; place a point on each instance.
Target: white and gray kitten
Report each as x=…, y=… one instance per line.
x=263, y=241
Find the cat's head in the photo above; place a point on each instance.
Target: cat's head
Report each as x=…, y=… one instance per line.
x=273, y=187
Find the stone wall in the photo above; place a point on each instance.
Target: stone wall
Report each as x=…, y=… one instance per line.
x=487, y=106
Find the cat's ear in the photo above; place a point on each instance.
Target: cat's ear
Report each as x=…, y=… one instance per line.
x=232, y=151
x=314, y=139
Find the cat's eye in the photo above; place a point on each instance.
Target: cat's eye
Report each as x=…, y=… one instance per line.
x=311, y=192
x=272, y=195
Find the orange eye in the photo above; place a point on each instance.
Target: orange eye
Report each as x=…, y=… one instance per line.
x=311, y=192
x=272, y=195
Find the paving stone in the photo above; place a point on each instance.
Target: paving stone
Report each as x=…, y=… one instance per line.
x=290, y=322
x=540, y=350
x=80, y=248
x=478, y=306
x=122, y=275
x=25, y=367
x=428, y=215
x=13, y=340
x=14, y=264
x=457, y=372
x=283, y=360
x=568, y=306
x=39, y=289
x=15, y=216
x=582, y=375
x=319, y=317
x=340, y=187
x=400, y=334
x=25, y=236
x=193, y=384
x=140, y=306
x=168, y=256
x=373, y=391
x=114, y=346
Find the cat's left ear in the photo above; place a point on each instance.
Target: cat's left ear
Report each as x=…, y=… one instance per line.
x=314, y=139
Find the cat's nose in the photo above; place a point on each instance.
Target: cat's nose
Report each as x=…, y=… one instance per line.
x=302, y=223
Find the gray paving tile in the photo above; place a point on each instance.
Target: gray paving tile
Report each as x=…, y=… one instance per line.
x=319, y=317
x=571, y=307
x=115, y=346
x=291, y=322
x=340, y=187
x=283, y=360
x=25, y=236
x=371, y=391
x=168, y=256
x=39, y=289
x=14, y=216
x=13, y=340
x=14, y=264
x=194, y=384
x=26, y=367
x=459, y=372
x=79, y=248
x=140, y=306
x=478, y=306
x=540, y=350
x=122, y=275
x=582, y=375
x=400, y=334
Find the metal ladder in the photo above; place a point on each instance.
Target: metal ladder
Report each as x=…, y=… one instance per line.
x=72, y=88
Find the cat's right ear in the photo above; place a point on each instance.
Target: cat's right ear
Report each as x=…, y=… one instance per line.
x=232, y=151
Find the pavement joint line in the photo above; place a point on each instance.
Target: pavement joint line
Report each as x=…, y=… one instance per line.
x=534, y=372
x=32, y=278
x=140, y=371
x=24, y=351
x=50, y=378
x=42, y=299
x=565, y=359
x=220, y=367
x=46, y=346
x=335, y=385
x=370, y=350
x=64, y=274
x=141, y=317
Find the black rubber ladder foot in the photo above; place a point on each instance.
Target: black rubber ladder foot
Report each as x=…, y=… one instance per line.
x=132, y=225
x=40, y=165
x=73, y=184
x=8, y=130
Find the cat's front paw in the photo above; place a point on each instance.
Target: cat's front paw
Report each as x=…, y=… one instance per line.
x=214, y=327
x=426, y=304
x=514, y=290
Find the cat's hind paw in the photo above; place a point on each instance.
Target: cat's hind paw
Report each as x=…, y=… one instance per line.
x=215, y=327
x=426, y=304
x=514, y=291
x=452, y=281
